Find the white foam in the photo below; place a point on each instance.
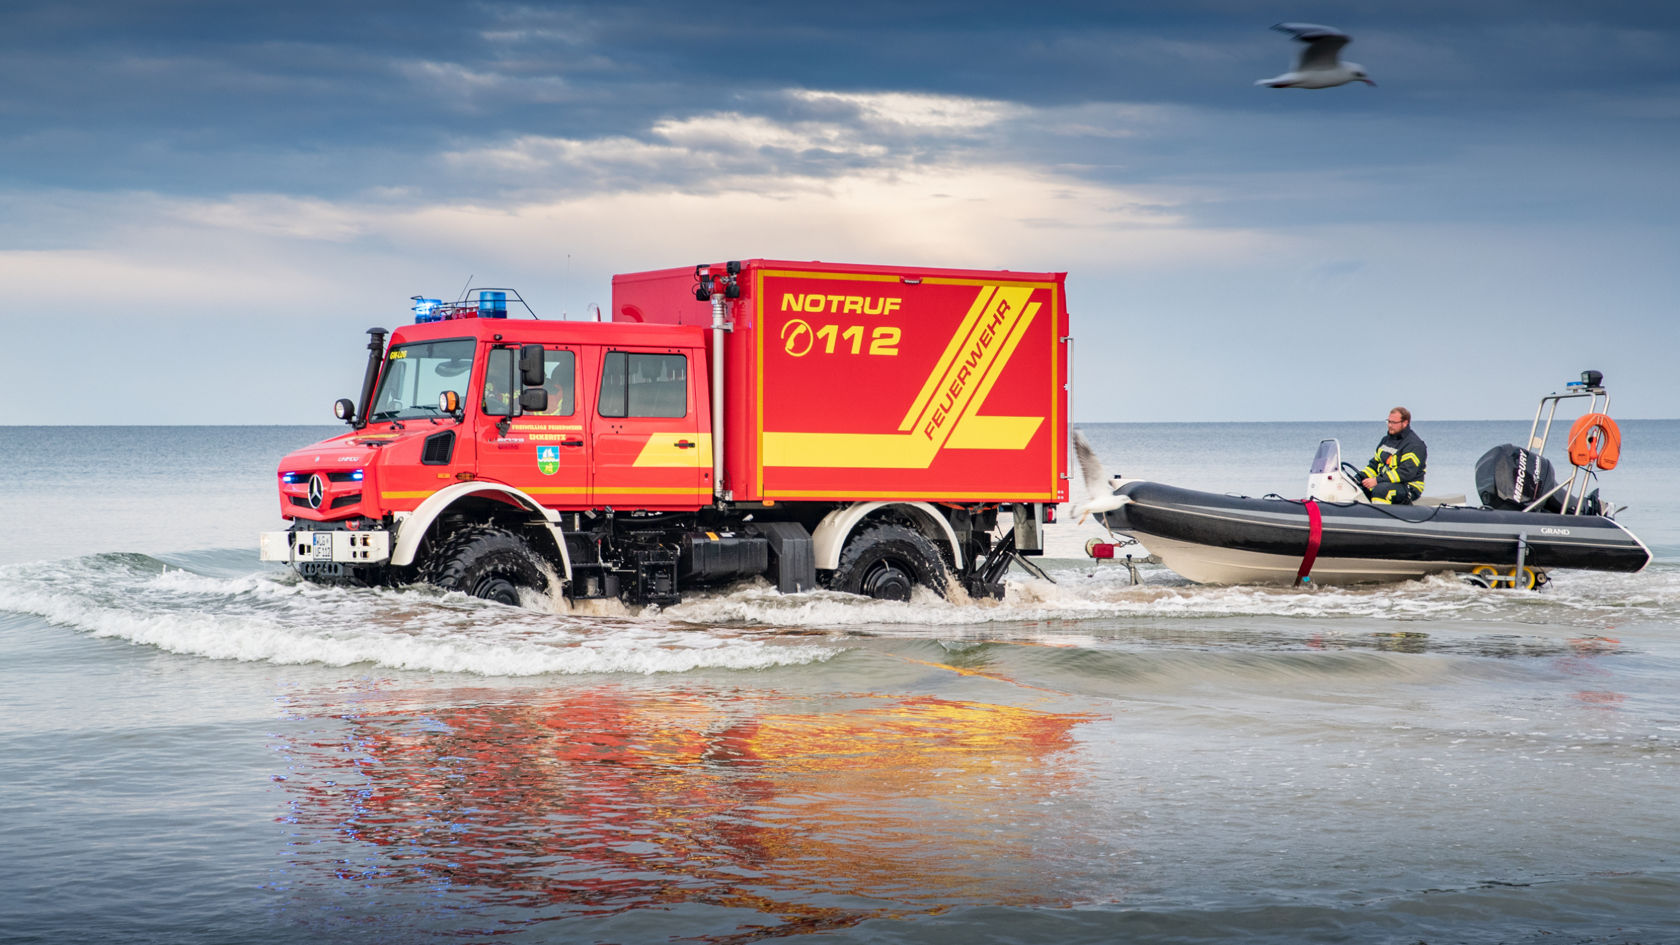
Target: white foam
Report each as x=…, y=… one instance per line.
x=274, y=617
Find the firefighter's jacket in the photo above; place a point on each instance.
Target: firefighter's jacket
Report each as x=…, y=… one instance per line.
x=1398, y=467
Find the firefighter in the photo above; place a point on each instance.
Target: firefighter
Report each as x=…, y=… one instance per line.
x=559, y=387
x=1395, y=473
x=497, y=403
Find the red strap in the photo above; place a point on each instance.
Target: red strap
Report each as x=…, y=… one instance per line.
x=1315, y=531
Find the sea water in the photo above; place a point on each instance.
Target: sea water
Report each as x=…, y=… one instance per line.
x=196, y=747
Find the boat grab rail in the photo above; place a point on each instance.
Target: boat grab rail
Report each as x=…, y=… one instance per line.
x=1537, y=443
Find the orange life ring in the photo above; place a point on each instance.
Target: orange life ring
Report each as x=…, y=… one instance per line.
x=1595, y=438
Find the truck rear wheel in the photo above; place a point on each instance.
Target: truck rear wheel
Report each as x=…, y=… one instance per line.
x=488, y=562
x=886, y=562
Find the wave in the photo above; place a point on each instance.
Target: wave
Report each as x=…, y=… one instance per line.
x=1101, y=591
x=274, y=616
x=213, y=604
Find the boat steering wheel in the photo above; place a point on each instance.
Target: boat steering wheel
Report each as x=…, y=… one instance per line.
x=1353, y=473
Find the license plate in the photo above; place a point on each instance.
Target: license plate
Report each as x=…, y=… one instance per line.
x=314, y=546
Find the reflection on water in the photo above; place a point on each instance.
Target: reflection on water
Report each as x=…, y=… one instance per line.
x=813, y=813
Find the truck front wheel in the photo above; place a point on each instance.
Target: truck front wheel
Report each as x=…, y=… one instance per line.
x=886, y=561
x=488, y=562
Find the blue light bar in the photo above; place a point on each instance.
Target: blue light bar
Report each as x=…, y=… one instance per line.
x=426, y=310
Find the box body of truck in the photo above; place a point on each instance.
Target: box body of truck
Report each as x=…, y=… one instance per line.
x=854, y=382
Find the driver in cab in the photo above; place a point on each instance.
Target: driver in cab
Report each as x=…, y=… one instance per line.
x=1395, y=473
x=559, y=388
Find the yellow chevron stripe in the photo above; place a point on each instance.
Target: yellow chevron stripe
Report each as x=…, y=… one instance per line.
x=973, y=431
x=941, y=367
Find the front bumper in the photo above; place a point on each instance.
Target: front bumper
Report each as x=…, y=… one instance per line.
x=368, y=546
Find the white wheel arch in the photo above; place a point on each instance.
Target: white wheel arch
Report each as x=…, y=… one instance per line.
x=412, y=526
x=831, y=533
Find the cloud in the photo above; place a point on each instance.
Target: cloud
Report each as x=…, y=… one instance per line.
x=230, y=166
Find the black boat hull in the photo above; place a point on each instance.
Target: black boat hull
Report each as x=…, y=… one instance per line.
x=1224, y=539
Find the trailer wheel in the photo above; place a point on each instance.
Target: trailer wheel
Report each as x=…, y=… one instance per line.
x=886, y=562
x=485, y=561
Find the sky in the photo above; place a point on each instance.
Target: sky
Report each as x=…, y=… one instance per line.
x=205, y=205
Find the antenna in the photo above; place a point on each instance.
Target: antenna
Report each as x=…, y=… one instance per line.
x=463, y=296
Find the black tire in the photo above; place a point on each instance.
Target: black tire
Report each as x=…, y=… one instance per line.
x=886, y=562
x=485, y=561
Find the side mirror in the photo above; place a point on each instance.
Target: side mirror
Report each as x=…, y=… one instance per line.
x=531, y=365
x=533, y=400
x=344, y=409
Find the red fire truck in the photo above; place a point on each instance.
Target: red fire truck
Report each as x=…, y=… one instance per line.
x=862, y=428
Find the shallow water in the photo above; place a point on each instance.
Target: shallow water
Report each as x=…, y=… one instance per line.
x=203, y=748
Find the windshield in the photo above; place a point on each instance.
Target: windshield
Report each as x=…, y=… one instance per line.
x=416, y=374
x=1329, y=458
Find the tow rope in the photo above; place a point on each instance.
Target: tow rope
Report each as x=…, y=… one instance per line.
x=1315, y=531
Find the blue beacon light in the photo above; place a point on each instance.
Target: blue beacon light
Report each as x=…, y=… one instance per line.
x=426, y=310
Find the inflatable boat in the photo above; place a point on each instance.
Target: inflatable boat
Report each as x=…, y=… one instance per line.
x=1527, y=525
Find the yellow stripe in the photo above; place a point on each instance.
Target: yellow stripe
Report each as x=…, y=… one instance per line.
x=661, y=451
x=758, y=404
x=576, y=490
x=1055, y=394
x=658, y=490
x=900, y=494
x=849, y=450
x=841, y=276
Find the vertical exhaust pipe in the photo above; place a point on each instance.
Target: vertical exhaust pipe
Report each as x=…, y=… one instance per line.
x=376, y=357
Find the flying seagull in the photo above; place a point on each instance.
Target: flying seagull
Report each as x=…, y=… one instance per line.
x=1318, y=67
x=1099, y=487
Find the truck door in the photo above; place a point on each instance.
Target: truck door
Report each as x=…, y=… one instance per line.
x=541, y=453
x=649, y=448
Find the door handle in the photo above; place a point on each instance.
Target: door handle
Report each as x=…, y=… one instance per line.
x=571, y=442
x=684, y=445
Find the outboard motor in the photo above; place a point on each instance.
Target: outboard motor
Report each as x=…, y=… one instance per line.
x=1510, y=477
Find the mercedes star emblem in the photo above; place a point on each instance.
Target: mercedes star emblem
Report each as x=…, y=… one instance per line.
x=317, y=490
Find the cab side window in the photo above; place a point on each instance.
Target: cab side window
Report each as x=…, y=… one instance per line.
x=634, y=384
x=562, y=371
x=498, y=372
